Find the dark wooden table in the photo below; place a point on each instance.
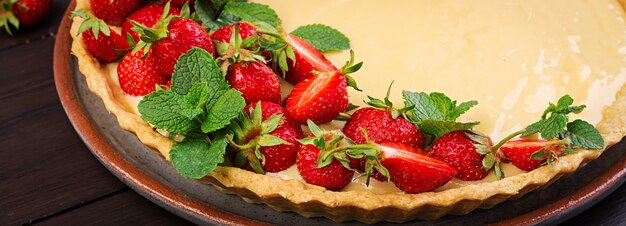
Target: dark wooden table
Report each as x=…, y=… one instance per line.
x=49, y=177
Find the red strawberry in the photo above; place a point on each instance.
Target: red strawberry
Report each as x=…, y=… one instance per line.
x=106, y=45
x=105, y=48
x=322, y=97
x=184, y=34
x=31, y=12
x=519, y=152
x=147, y=16
x=179, y=3
x=413, y=170
x=114, y=12
x=275, y=157
x=225, y=33
x=138, y=75
x=308, y=60
x=255, y=80
x=381, y=127
x=461, y=149
x=333, y=176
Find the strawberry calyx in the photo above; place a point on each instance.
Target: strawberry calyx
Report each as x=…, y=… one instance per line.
x=335, y=145
x=349, y=68
x=250, y=133
x=96, y=25
x=484, y=147
x=238, y=50
x=148, y=36
x=7, y=17
x=386, y=104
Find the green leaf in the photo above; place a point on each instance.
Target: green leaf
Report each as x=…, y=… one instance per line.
x=443, y=103
x=539, y=154
x=461, y=109
x=439, y=128
x=585, y=135
x=252, y=12
x=488, y=161
x=553, y=125
x=166, y=110
x=564, y=102
x=271, y=123
x=222, y=110
x=197, y=96
x=198, y=66
x=424, y=107
x=533, y=128
x=196, y=158
x=268, y=140
x=323, y=37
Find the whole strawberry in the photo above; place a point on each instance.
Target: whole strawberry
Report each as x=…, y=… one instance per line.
x=31, y=12
x=255, y=80
x=114, y=12
x=520, y=152
x=308, y=61
x=137, y=74
x=267, y=128
x=178, y=3
x=334, y=176
x=322, y=97
x=184, y=34
x=23, y=13
x=224, y=34
x=106, y=45
x=413, y=170
x=147, y=16
x=464, y=150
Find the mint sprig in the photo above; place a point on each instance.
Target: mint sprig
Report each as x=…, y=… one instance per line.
x=323, y=37
x=554, y=124
x=198, y=105
x=436, y=114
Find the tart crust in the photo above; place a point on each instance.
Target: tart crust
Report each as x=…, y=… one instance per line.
x=365, y=206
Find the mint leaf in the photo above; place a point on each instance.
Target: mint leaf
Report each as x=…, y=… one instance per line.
x=222, y=110
x=197, y=66
x=423, y=106
x=196, y=158
x=533, y=128
x=323, y=37
x=553, y=125
x=197, y=96
x=252, y=12
x=443, y=103
x=585, y=135
x=564, y=102
x=461, y=109
x=208, y=15
x=439, y=128
x=167, y=110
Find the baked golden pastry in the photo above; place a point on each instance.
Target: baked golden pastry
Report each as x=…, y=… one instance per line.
x=368, y=206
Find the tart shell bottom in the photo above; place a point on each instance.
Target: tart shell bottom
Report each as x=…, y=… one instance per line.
x=313, y=201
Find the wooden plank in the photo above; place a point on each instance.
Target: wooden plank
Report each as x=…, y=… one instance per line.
x=609, y=211
x=45, y=29
x=127, y=208
x=46, y=168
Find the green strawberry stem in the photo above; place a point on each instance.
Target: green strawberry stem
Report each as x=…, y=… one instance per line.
x=509, y=137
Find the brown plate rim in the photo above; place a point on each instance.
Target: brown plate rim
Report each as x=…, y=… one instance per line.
x=166, y=197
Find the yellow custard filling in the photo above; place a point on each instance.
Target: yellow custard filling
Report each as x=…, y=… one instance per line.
x=513, y=57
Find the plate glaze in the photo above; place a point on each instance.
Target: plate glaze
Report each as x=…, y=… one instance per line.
x=150, y=175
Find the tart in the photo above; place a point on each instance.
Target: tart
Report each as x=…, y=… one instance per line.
x=514, y=57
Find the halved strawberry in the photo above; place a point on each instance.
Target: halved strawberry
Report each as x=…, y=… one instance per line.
x=105, y=45
x=138, y=75
x=225, y=33
x=322, y=97
x=308, y=61
x=114, y=12
x=413, y=170
x=266, y=139
x=465, y=150
x=520, y=152
x=147, y=16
